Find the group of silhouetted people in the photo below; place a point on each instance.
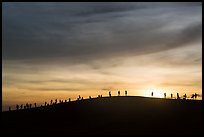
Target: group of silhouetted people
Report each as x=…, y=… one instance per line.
x=29, y=106
x=118, y=93
x=194, y=96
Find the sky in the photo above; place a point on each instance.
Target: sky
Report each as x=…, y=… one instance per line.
x=62, y=50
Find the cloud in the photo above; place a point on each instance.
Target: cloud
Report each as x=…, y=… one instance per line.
x=72, y=33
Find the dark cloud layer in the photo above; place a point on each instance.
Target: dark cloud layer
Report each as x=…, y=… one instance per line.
x=77, y=32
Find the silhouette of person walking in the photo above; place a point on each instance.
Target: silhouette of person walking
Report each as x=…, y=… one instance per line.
x=109, y=93
x=125, y=92
x=118, y=93
x=171, y=95
x=152, y=94
x=164, y=95
x=178, y=96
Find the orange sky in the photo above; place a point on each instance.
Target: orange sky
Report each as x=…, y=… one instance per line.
x=62, y=50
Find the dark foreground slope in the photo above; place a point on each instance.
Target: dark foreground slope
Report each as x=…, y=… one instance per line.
x=115, y=115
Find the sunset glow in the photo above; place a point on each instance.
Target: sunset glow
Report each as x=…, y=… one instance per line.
x=63, y=50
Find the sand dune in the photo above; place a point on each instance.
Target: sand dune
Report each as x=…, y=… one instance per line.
x=128, y=115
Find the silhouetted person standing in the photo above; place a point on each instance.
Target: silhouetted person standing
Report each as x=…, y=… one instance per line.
x=69, y=99
x=79, y=97
x=45, y=103
x=51, y=101
x=21, y=106
x=35, y=105
x=30, y=105
x=171, y=95
x=109, y=93
x=152, y=94
x=178, y=96
x=55, y=101
x=125, y=92
x=89, y=97
x=118, y=93
x=164, y=95
x=9, y=108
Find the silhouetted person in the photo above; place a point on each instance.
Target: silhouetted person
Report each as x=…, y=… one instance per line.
x=35, y=105
x=69, y=99
x=51, y=101
x=82, y=98
x=109, y=93
x=65, y=100
x=171, y=95
x=30, y=105
x=164, y=95
x=152, y=94
x=21, y=106
x=196, y=95
x=45, y=103
x=178, y=96
x=184, y=96
x=9, y=108
x=27, y=106
x=89, y=97
x=118, y=93
x=101, y=96
x=125, y=92
x=79, y=97
x=55, y=101
x=24, y=107
x=17, y=107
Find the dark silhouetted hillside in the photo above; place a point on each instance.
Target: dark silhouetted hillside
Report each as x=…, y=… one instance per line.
x=115, y=115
